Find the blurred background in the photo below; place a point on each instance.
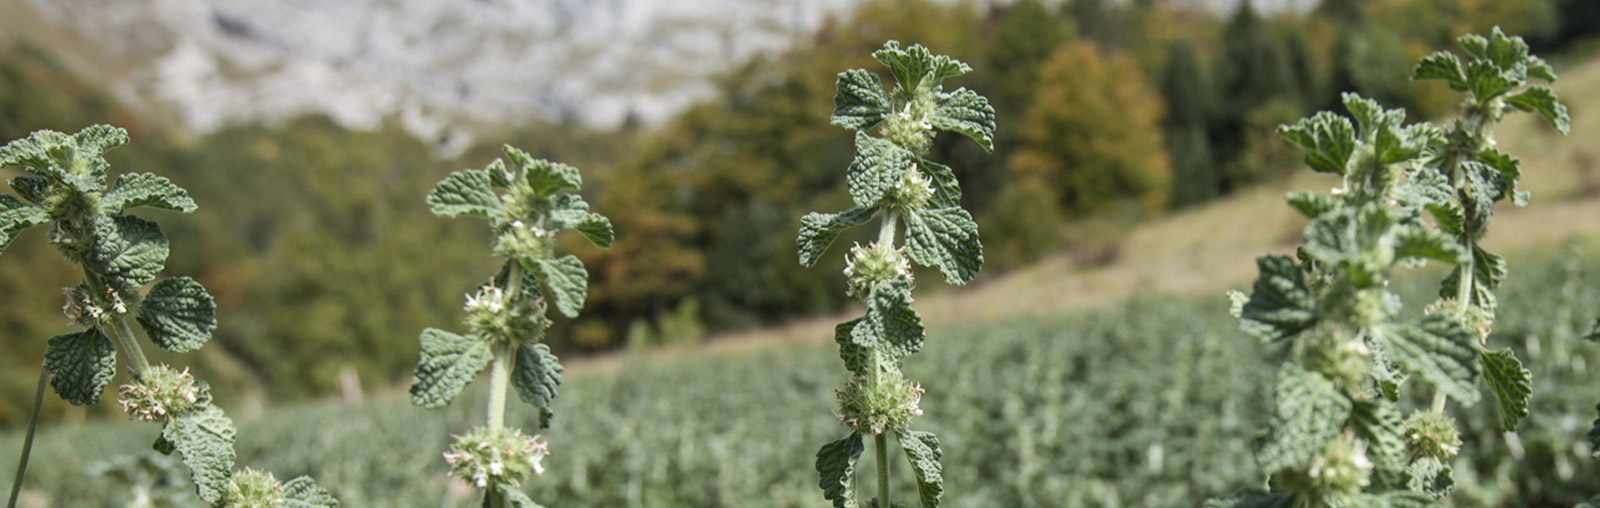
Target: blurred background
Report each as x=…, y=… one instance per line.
x=1135, y=175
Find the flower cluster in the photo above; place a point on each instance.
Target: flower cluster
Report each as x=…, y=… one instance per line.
x=159, y=394
x=865, y=266
x=495, y=315
x=887, y=404
x=1432, y=434
x=253, y=489
x=82, y=309
x=484, y=456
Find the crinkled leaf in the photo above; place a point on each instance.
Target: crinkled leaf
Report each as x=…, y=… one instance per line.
x=80, y=364
x=891, y=326
x=1280, y=304
x=946, y=190
x=819, y=230
x=38, y=153
x=1512, y=386
x=570, y=211
x=145, y=189
x=1423, y=243
x=857, y=358
x=204, y=437
x=1542, y=100
x=1488, y=271
x=467, y=192
x=568, y=281
x=32, y=188
x=1311, y=204
x=448, y=363
x=1310, y=411
x=1427, y=475
x=129, y=252
x=946, y=238
x=1379, y=424
x=1431, y=190
x=1388, y=375
x=1487, y=81
x=303, y=492
x=1438, y=350
x=77, y=160
x=515, y=497
x=966, y=112
x=597, y=228
x=878, y=166
x=537, y=375
x=1382, y=130
x=836, y=467
x=1538, y=68
x=16, y=216
x=1251, y=498
x=914, y=64
x=178, y=314
x=1504, y=169
x=1503, y=50
x=922, y=449
x=544, y=177
x=1444, y=66
x=860, y=102
x=1326, y=138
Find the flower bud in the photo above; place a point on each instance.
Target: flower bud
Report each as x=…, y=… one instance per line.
x=887, y=403
x=253, y=489
x=1431, y=434
x=487, y=457
x=159, y=393
x=865, y=266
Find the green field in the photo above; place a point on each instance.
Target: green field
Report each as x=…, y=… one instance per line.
x=1150, y=403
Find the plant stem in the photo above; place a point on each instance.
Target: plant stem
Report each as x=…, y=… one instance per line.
x=891, y=219
x=124, y=336
x=27, y=442
x=499, y=378
x=882, y=444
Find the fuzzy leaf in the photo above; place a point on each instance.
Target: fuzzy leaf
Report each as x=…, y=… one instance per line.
x=1311, y=204
x=946, y=190
x=1378, y=423
x=1512, y=386
x=878, y=166
x=303, y=492
x=1396, y=499
x=1383, y=130
x=966, y=112
x=568, y=281
x=597, y=228
x=1443, y=66
x=570, y=211
x=448, y=363
x=1486, y=80
x=130, y=251
x=860, y=102
x=1310, y=411
x=514, y=497
x=914, y=64
x=1422, y=243
x=946, y=238
x=1431, y=190
x=32, y=188
x=1542, y=100
x=544, y=177
x=80, y=364
x=1438, y=350
x=1280, y=304
x=922, y=449
x=16, y=216
x=1251, y=498
x=891, y=326
x=1327, y=139
x=145, y=189
x=1488, y=270
x=536, y=376
x=204, y=437
x=1427, y=475
x=819, y=230
x=1504, y=169
x=178, y=314
x=465, y=193
x=857, y=358
x=836, y=466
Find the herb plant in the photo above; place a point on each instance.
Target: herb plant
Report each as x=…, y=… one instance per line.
x=506, y=315
x=66, y=188
x=891, y=179
x=1338, y=437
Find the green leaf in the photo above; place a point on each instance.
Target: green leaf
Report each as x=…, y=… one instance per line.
x=1542, y=100
x=915, y=64
x=1326, y=138
x=1251, y=498
x=1311, y=204
x=819, y=230
x=1381, y=129
x=1488, y=270
x=145, y=189
x=570, y=211
x=1438, y=350
x=36, y=153
x=1537, y=68
x=966, y=112
x=80, y=364
x=536, y=376
x=878, y=166
x=1487, y=81
x=128, y=253
x=544, y=177
x=16, y=216
x=1396, y=499
x=1507, y=169
x=1280, y=304
x=1443, y=66
x=836, y=467
x=1422, y=243
x=1378, y=423
x=515, y=497
x=891, y=326
x=857, y=358
x=946, y=190
x=204, y=437
x=922, y=449
x=568, y=281
x=1511, y=383
x=32, y=188
x=1429, y=476
x=178, y=314
x=467, y=192
x=448, y=363
x=1431, y=190
x=597, y=228
x=303, y=492
x=946, y=238
x=860, y=102
x=1310, y=411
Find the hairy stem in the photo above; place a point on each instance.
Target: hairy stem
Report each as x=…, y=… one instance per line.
x=27, y=442
x=130, y=347
x=891, y=219
x=499, y=379
x=881, y=442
